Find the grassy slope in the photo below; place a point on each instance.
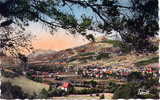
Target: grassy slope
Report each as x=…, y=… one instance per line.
x=127, y=59
x=147, y=61
x=84, y=97
x=27, y=85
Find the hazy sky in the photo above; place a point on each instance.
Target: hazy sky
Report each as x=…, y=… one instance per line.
x=59, y=41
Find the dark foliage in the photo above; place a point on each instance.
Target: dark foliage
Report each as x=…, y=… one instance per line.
x=126, y=92
x=88, y=91
x=136, y=21
x=102, y=96
x=43, y=94
x=9, y=74
x=57, y=92
x=148, y=61
x=112, y=87
x=9, y=91
x=46, y=68
x=131, y=89
x=135, y=76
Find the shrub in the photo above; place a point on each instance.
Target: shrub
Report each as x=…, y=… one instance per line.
x=148, y=83
x=125, y=48
x=102, y=96
x=72, y=59
x=122, y=92
x=102, y=55
x=47, y=68
x=43, y=94
x=127, y=91
x=97, y=94
x=9, y=74
x=88, y=91
x=9, y=91
x=29, y=75
x=87, y=53
x=86, y=58
x=112, y=87
x=134, y=76
x=154, y=91
x=115, y=43
x=130, y=90
x=56, y=92
x=17, y=70
x=38, y=79
x=93, y=83
x=71, y=90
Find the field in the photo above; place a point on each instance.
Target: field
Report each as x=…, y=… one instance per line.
x=84, y=97
x=28, y=86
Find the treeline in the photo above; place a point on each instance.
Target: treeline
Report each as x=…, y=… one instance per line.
x=47, y=68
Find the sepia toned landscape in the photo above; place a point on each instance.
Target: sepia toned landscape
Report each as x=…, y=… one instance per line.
x=88, y=71
x=79, y=49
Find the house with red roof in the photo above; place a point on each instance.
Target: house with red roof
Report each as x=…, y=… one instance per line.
x=66, y=86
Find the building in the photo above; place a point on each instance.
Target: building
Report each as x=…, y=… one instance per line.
x=66, y=86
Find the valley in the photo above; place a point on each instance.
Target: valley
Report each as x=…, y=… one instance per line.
x=95, y=68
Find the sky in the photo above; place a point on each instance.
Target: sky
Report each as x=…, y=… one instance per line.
x=60, y=40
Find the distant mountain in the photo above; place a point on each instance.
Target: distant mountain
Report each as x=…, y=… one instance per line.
x=68, y=55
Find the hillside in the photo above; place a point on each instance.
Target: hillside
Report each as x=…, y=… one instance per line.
x=71, y=53
x=102, y=63
x=106, y=52
x=27, y=85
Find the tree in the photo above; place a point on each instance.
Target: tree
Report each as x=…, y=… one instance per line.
x=14, y=41
x=127, y=91
x=135, y=20
x=9, y=91
x=134, y=76
x=24, y=61
x=92, y=83
x=112, y=86
x=131, y=90
x=56, y=92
